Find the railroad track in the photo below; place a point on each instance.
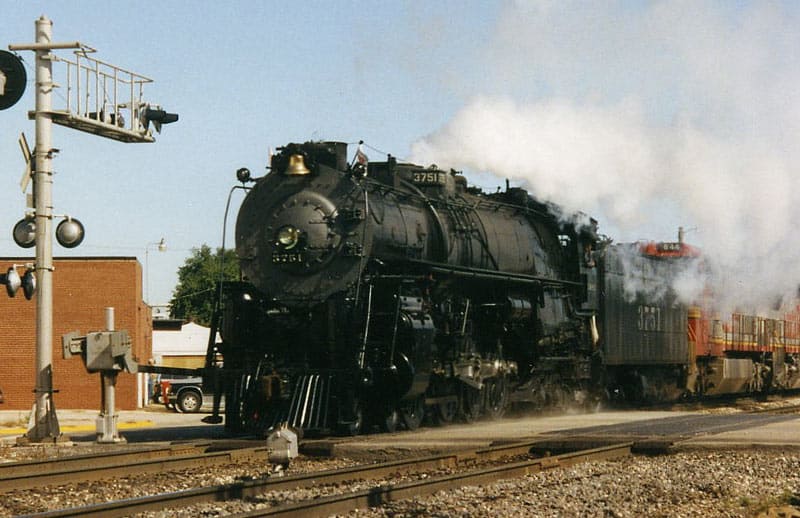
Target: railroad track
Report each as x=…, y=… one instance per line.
x=340, y=503
x=86, y=468
x=780, y=410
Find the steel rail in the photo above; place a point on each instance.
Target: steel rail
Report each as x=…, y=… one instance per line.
x=336, y=504
x=791, y=409
x=330, y=505
x=86, y=468
x=14, y=469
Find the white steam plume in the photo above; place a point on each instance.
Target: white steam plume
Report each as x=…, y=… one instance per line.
x=688, y=111
x=578, y=157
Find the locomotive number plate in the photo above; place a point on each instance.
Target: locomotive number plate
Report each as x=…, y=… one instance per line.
x=286, y=258
x=429, y=178
x=669, y=247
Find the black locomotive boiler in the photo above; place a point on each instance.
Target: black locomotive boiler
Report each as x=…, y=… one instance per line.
x=376, y=294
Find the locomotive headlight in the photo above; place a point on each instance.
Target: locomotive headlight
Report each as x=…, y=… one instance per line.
x=288, y=237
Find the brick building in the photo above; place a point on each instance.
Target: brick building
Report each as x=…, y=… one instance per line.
x=82, y=288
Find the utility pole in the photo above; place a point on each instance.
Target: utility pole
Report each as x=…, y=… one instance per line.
x=45, y=420
x=106, y=120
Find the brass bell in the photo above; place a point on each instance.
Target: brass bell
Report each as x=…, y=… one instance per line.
x=297, y=166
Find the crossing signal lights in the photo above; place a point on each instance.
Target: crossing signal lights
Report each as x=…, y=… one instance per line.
x=69, y=232
x=14, y=282
x=25, y=232
x=29, y=284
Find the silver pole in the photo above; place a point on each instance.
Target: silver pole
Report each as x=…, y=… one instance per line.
x=44, y=413
x=43, y=184
x=106, y=424
x=109, y=314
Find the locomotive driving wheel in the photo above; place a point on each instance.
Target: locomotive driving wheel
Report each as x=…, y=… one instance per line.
x=447, y=410
x=496, y=390
x=413, y=412
x=470, y=404
x=354, y=423
x=390, y=420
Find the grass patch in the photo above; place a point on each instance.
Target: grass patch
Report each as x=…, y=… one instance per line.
x=763, y=505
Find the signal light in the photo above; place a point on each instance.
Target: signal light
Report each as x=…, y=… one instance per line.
x=12, y=281
x=25, y=232
x=70, y=233
x=29, y=283
x=157, y=116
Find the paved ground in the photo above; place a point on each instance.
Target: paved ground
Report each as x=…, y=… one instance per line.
x=780, y=433
x=80, y=423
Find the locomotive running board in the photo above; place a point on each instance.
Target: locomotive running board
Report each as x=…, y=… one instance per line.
x=490, y=275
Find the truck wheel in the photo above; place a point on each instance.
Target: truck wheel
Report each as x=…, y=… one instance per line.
x=190, y=401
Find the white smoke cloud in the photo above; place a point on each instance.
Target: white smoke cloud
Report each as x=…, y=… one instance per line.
x=682, y=110
x=578, y=156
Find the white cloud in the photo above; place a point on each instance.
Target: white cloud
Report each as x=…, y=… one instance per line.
x=618, y=110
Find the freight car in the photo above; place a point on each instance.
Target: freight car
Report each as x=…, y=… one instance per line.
x=374, y=294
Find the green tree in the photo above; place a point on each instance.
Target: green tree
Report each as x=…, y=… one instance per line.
x=193, y=298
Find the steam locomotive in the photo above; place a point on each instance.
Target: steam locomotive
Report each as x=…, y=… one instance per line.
x=378, y=294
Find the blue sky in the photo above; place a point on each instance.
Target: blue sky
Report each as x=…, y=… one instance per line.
x=646, y=115
x=244, y=77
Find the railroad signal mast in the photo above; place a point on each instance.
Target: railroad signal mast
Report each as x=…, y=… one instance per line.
x=101, y=99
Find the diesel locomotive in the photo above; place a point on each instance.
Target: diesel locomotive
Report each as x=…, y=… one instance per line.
x=657, y=347
x=376, y=294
